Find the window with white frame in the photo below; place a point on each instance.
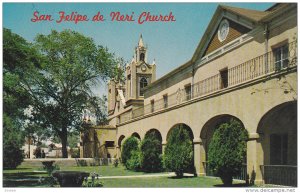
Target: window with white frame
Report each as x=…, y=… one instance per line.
x=281, y=57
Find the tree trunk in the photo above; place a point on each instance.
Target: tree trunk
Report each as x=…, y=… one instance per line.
x=29, y=141
x=64, y=138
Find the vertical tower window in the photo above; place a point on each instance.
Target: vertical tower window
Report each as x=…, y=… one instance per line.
x=224, y=78
x=129, y=86
x=281, y=57
x=143, y=84
x=142, y=57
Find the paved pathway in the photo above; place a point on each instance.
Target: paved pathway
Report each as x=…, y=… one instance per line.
x=172, y=174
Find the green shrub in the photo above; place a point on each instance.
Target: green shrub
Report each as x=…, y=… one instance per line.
x=93, y=182
x=49, y=167
x=151, y=160
x=81, y=162
x=227, y=150
x=178, y=155
x=13, y=155
x=116, y=162
x=134, y=162
x=129, y=145
x=90, y=183
x=75, y=153
x=48, y=181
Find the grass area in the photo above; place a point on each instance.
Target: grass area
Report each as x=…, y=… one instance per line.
x=105, y=170
x=29, y=177
x=163, y=182
x=13, y=178
x=101, y=170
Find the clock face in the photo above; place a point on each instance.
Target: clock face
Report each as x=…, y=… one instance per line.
x=143, y=67
x=223, y=30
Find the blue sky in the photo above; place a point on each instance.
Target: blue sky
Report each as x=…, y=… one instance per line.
x=169, y=43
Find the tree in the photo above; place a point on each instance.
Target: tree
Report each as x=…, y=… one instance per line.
x=134, y=162
x=129, y=147
x=151, y=158
x=98, y=107
x=227, y=150
x=61, y=90
x=12, y=144
x=18, y=57
x=178, y=155
x=73, y=140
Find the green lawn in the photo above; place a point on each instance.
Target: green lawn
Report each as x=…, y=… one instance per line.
x=170, y=182
x=13, y=178
x=105, y=170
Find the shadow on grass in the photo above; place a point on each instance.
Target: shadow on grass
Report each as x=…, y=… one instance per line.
x=183, y=177
x=233, y=185
x=24, y=180
x=18, y=169
x=23, y=175
x=26, y=183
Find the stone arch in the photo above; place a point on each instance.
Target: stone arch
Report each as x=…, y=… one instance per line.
x=207, y=132
x=156, y=134
x=135, y=134
x=209, y=127
x=191, y=168
x=185, y=126
x=120, y=140
x=119, y=147
x=277, y=131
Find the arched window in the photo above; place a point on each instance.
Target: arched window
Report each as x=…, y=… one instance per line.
x=143, y=84
x=142, y=57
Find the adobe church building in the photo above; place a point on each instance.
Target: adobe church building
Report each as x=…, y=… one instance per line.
x=244, y=68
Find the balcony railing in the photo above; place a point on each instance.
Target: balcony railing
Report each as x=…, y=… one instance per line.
x=257, y=67
x=280, y=174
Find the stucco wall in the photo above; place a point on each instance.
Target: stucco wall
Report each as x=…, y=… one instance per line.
x=248, y=104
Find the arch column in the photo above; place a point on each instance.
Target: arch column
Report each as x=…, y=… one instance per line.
x=202, y=159
x=197, y=155
x=118, y=151
x=254, y=159
x=163, y=143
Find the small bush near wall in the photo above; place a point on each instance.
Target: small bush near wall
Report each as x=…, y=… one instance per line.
x=178, y=155
x=75, y=153
x=130, y=145
x=227, y=150
x=81, y=162
x=134, y=162
x=151, y=160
